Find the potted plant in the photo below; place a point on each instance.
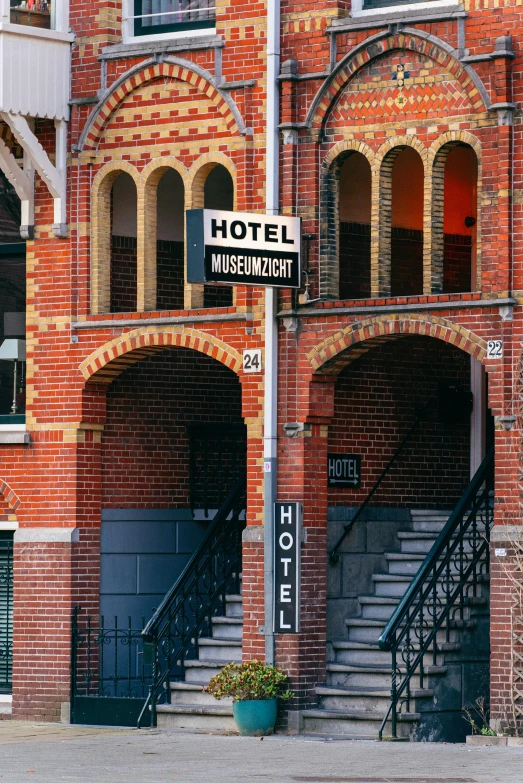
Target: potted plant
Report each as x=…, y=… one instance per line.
x=255, y=688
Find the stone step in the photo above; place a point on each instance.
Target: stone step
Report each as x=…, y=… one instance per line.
x=233, y=606
x=364, y=630
x=377, y=607
x=216, y=649
x=403, y=564
x=364, y=654
x=188, y=716
x=201, y=671
x=390, y=585
x=420, y=543
x=429, y=525
x=339, y=674
x=409, y=564
x=192, y=693
x=364, y=699
x=358, y=724
x=227, y=627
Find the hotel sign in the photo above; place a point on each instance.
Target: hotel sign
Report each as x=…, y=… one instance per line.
x=240, y=248
x=287, y=546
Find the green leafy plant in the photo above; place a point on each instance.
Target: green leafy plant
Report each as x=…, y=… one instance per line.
x=247, y=681
x=482, y=710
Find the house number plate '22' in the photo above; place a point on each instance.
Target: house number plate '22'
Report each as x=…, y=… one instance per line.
x=495, y=349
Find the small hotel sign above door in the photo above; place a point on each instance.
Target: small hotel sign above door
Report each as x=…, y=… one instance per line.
x=344, y=471
x=239, y=248
x=287, y=518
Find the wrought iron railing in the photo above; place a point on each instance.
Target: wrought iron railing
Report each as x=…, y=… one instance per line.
x=107, y=658
x=185, y=614
x=451, y=575
x=334, y=556
x=6, y=613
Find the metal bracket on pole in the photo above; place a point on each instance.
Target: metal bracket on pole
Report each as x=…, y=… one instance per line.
x=53, y=176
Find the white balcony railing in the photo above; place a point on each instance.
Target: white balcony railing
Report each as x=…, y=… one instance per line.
x=35, y=58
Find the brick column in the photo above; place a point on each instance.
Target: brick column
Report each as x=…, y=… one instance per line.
x=302, y=477
x=57, y=563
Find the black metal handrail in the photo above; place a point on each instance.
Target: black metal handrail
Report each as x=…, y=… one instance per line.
x=185, y=614
x=450, y=575
x=334, y=556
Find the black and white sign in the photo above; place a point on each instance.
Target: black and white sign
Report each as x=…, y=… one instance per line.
x=344, y=470
x=252, y=360
x=287, y=521
x=240, y=248
x=495, y=349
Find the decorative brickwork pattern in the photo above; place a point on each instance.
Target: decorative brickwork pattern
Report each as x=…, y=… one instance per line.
x=142, y=76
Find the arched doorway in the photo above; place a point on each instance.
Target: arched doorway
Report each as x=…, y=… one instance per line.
x=173, y=461
x=407, y=539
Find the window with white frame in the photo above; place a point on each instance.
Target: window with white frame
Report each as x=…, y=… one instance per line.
x=157, y=17
x=359, y=6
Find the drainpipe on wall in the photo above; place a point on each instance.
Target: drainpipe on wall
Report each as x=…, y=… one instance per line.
x=271, y=325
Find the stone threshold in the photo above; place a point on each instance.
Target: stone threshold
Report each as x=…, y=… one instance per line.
x=480, y=740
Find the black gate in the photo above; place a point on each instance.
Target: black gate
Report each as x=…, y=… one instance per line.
x=109, y=680
x=6, y=611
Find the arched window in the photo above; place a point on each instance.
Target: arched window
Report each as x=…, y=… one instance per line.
x=123, y=245
x=459, y=220
x=170, y=241
x=218, y=194
x=355, y=183
x=406, y=241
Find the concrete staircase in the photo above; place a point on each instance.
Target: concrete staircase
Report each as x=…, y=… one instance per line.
x=356, y=696
x=190, y=707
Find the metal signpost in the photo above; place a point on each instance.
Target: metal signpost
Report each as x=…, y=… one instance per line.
x=240, y=248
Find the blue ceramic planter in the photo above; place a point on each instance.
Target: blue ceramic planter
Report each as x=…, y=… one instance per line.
x=255, y=718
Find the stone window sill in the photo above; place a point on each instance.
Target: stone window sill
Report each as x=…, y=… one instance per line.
x=15, y=434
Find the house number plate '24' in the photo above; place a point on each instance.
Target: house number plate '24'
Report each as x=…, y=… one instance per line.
x=252, y=360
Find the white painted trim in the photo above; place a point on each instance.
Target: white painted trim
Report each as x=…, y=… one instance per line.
x=9, y=525
x=128, y=36
x=13, y=428
x=358, y=11
x=36, y=32
x=133, y=39
x=46, y=535
x=55, y=177
x=478, y=420
x=6, y=698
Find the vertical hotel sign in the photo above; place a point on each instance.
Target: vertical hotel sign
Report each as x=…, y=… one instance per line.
x=287, y=518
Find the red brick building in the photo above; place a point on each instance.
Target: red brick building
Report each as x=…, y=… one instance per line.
x=131, y=419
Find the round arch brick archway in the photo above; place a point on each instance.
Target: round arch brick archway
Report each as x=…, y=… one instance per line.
x=108, y=361
x=331, y=355
x=9, y=496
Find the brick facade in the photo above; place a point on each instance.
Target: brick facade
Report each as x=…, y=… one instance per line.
x=109, y=315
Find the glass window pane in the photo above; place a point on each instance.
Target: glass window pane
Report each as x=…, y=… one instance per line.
x=31, y=13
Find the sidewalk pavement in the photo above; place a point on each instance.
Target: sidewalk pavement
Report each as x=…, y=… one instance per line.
x=52, y=753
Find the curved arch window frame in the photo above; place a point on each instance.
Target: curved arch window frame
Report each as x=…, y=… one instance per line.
x=433, y=211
